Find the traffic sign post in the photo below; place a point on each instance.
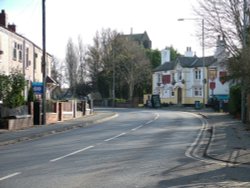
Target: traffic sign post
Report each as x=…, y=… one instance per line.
x=37, y=88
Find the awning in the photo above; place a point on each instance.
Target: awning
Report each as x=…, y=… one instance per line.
x=221, y=97
x=50, y=80
x=51, y=83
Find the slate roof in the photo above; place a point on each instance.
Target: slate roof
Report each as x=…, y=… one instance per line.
x=186, y=62
x=141, y=38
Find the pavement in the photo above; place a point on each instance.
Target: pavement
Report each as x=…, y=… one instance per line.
x=38, y=131
x=230, y=138
x=229, y=142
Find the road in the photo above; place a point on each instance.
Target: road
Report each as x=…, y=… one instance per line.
x=138, y=148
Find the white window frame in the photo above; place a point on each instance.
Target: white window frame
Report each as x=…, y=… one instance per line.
x=197, y=74
x=197, y=91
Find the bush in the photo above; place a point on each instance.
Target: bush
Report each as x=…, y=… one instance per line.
x=120, y=100
x=235, y=100
x=11, y=91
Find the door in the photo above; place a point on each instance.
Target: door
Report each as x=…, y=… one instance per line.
x=179, y=96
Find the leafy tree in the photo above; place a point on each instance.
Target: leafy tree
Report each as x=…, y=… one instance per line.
x=31, y=96
x=4, y=86
x=174, y=54
x=154, y=57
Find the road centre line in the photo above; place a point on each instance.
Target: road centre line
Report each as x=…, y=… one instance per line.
x=134, y=129
x=149, y=122
x=70, y=154
x=115, y=137
x=9, y=176
x=157, y=116
x=109, y=139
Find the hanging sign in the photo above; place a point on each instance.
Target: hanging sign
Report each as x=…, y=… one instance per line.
x=212, y=85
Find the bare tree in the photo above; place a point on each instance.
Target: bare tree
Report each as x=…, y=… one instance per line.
x=56, y=71
x=228, y=19
x=134, y=66
x=224, y=18
x=94, y=60
x=100, y=57
x=83, y=68
x=72, y=65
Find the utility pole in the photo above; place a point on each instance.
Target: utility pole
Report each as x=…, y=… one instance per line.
x=243, y=86
x=44, y=63
x=113, y=77
x=203, y=63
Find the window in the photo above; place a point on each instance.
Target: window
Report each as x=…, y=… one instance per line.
x=20, y=52
x=172, y=93
x=197, y=91
x=27, y=57
x=14, y=53
x=159, y=78
x=179, y=75
x=173, y=77
x=20, y=56
x=35, y=60
x=197, y=74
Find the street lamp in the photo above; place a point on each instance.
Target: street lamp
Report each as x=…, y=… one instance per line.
x=203, y=53
x=44, y=63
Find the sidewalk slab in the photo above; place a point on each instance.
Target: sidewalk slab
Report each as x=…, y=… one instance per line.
x=11, y=137
x=230, y=139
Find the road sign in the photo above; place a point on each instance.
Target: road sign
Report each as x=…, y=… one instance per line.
x=37, y=87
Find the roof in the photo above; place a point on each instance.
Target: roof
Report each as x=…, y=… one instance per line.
x=139, y=37
x=50, y=80
x=142, y=38
x=24, y=38
x=186, y=62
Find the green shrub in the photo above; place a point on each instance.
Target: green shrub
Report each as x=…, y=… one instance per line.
x=235, y=100
x=11, y=89
x=120, y=100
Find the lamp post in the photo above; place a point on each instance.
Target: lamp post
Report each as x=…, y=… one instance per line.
x=203, y=55
x=44, y=63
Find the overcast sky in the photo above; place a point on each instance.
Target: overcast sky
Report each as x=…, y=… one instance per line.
x=71, y=18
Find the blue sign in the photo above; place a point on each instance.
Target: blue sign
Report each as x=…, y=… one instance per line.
x=37, y=88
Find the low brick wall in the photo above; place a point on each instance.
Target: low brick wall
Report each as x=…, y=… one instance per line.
x=16, y=124
x=51, y=118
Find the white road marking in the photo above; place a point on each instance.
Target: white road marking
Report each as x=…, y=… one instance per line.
x=134, y=129
x=9, y=176
x=149, y=122
x=157, y=116
x=70, y=154
x=114, y=137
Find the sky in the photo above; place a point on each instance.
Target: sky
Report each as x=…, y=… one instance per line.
x=72, y=18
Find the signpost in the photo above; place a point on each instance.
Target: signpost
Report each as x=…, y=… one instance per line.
x=37, y=88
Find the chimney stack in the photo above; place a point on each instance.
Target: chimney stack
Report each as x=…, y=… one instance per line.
x=3, y=19
x=12, y=27
x=165, y=55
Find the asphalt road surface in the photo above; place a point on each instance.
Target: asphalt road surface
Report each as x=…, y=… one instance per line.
x=138, y=148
